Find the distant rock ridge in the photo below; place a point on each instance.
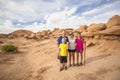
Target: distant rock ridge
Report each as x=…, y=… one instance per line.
x=108, y=31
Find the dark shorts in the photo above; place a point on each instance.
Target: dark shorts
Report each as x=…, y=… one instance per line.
x=79, y=51
x=71, y=50
x=63, y=59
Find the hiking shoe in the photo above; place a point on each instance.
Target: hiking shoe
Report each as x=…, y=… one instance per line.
x=81, y=64
x=61, y=69
x=78, y=64
x=65, y=67
x=70, y=65
x=73, y=64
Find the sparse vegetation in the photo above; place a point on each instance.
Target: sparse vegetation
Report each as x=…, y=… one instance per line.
x=9, y=48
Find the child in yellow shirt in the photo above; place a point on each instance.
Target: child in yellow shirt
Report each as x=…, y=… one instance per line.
x=63, y=47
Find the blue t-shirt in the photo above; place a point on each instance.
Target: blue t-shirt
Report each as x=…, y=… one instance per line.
x=59, y=40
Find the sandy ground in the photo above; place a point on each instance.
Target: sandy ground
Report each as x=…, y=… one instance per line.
x=37, y=60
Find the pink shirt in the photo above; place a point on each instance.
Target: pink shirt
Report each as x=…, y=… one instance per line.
x=79, y=43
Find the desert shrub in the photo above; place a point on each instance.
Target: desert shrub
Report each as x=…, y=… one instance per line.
x=9, y=48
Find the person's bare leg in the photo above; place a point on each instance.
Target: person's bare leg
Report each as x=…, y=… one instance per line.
x=81, y=59
x=70, y=58
x=73, y=55
x=62, y=66
x=77, y=58
x=65, y=66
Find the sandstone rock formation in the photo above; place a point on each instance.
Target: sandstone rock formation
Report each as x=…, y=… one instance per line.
x=81, y=29
x=113, y=21
x=96, y=27
x=68, y=30
x=114, y=30
x=112, y=33
x=56, y=32
x=20, y=33
x=108, y=31
x=3, y=36
x=87, y=34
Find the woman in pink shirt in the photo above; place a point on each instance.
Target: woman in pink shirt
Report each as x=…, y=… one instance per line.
x=79, y=48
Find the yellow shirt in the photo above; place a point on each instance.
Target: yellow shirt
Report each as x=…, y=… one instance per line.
x=63, y=49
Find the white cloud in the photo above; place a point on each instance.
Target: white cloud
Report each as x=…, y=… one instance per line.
x=103, y=17
x=102, y=14
x=44, y=14
x=102, y=9
x=35, y=27
x=6, y=27
x=65, y=19
x=28, y=10
x=61, y=16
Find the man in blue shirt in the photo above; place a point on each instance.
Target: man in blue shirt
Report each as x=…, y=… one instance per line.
x=59, y=40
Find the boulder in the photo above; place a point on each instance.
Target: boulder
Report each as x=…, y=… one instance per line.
x=115, y=30
x=97, y=37
x=68, y=30
x=75, y=33
x=32, y=36
x=11, y=36
x=96, y=27
x=46, y=37
x=87, y=34
x=3, y=36
x=38, y=35
x=90, y=44
x=81, y=29
x=111, y=37
x=56, y=32
x=113, y=21
x=20, y=33
x=49, y=32
x=43, y=33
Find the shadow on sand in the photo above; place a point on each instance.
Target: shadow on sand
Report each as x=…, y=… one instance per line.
x=95, y=58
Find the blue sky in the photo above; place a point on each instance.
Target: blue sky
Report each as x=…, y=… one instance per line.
x=38, y=15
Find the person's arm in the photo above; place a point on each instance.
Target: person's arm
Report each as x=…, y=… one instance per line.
x=58, y=53
x=67, y=40
x=58, y=41
x=75, y=42
x=67, y=53
x=67, y=50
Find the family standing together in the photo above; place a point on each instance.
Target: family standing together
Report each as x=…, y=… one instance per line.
x=73, y=47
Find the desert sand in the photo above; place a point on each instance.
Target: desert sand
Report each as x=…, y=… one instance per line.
x=38, y=61
x=37, y=58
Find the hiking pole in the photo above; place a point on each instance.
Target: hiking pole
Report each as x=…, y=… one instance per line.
x=84, y=53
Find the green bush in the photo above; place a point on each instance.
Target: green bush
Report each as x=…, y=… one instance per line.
x=9, y=48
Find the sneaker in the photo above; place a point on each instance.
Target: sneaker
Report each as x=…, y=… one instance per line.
x=78, y=64
x=61, y=69
x=70, y=65
x=81, y=64
x=65, y=67
x=73, y=64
